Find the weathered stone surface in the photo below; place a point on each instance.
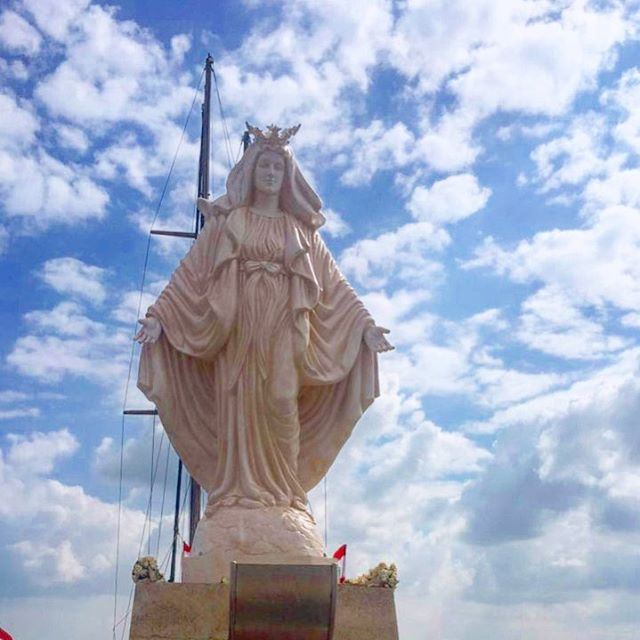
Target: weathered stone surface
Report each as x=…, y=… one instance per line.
x=180, y=611
x=272, y=534
x=163, y=611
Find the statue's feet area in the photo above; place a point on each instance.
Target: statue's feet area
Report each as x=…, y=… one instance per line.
x=267, y=534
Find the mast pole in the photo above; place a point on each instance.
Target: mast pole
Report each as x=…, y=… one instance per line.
x=203, y=192
x=176, y=525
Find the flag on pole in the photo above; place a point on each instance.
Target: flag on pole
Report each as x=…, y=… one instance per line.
x=341, y=554
x=186, y=550
x=4, y=635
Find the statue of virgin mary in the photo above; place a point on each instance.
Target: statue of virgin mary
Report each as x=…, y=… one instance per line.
x=259, y=356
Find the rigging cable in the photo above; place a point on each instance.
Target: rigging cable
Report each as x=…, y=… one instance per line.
x=164, y=493
x=225, y=130
x=147, y=518
x=126, y=391
x=152, y=477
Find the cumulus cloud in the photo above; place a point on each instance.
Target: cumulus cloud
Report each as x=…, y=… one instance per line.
x=58, y=534
x=16, y=34
x=407, y=253
x=55, y=18
x=19, y=124
x=72, y=276
x=39, y=188
x=37, y=453
x=336, y=226
x=576, y=156
x=72, y=137
x=552, y=324
x=558, y=495
x=449, y=200
x=594, y=265
x=625, y=97
x=377, y=148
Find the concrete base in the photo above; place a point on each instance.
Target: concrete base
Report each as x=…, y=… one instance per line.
x=163, y=611
x=269, y=534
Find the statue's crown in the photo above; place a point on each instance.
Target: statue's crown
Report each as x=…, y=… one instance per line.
x=274, y=136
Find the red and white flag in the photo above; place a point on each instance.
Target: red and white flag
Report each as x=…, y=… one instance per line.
x=4, y=635
x=341, y=554
x=186, y=550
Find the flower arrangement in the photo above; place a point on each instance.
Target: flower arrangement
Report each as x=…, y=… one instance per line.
x=380, y=576
x=146, y=570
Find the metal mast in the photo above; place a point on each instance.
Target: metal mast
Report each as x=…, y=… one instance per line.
x=203, y=192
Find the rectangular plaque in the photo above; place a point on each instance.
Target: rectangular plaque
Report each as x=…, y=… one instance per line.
x=282, y=601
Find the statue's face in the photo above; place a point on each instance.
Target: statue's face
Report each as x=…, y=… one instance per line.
x=269, y=172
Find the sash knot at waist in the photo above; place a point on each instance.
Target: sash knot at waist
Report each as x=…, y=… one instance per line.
x=251, y=266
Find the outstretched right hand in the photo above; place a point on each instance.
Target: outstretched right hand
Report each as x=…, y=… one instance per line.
x=150, y=331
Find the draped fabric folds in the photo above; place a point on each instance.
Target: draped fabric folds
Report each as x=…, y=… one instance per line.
x=261, y=371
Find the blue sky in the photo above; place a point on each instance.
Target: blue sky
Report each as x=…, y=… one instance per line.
x=478, y=163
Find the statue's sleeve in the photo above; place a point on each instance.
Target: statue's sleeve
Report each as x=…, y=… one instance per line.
x=337, y=323
x=177, y=372
x=340, y=376
x=184, y=307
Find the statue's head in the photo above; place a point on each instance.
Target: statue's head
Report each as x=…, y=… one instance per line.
x=268, y=173
x=269, y=165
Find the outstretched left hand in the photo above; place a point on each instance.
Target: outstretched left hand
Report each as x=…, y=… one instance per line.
x=375, y=340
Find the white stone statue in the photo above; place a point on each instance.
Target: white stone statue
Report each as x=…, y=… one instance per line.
x=260, y=359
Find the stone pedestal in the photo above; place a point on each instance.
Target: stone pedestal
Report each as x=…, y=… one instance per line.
x=163, y=611
x=270, y=534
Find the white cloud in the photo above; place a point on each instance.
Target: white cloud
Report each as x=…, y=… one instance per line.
x=539, y=66
x=34, y=184
x=449, y=200
x=447, y=144
x=55, y=18
x=377, y=148
x=101, y=358
x=65, y=341
x=405, y=253
x=594, y=265
x=66, y=318
x=46, y=191
x=22, y=412
x=73, y=277
x=58, y=533
x=12, y=396
x=16, y=34
x=72, y=137
x=534, y=57
x=625, y=97
x=573, y=158
x=15, y=69
x=552, y=324
x=558, y=504
x=37, y=453
x=631, y=320
x=500, y=387
x=335, y=226
x=131, y=305
x=586, y=388
x=619, y=187
x=18, y=125
x=136, y=457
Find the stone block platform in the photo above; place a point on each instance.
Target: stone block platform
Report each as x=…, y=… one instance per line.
x=176, y=611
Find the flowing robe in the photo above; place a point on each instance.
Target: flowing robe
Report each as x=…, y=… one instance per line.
x=261, y=371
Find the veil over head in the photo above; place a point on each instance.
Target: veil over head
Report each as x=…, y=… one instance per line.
x=297, y=197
